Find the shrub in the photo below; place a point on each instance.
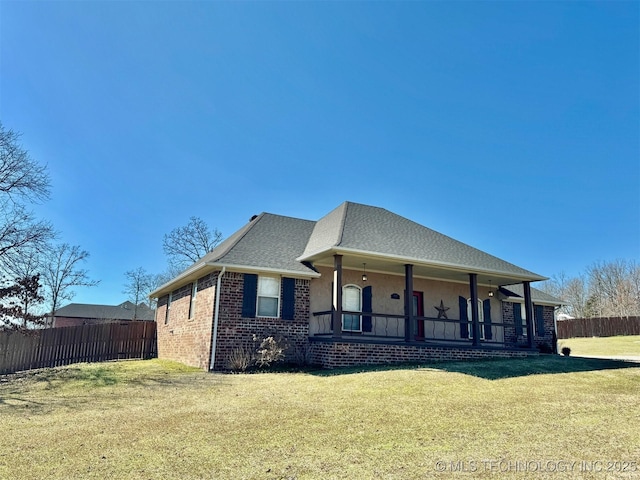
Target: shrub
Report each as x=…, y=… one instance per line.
x=271, y=350
x=566, y=351
x=240, y=359
x=302, y=355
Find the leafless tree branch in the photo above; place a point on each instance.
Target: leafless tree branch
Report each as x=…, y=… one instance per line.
x=186, y=245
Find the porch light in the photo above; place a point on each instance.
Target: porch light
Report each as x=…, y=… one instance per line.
x=364, y=272
x=490, y=289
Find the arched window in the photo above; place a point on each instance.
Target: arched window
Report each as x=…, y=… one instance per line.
x=351, y=302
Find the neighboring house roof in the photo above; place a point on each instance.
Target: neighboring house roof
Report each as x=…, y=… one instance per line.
x=537, y=296
x=124, y=311
x=384, y=240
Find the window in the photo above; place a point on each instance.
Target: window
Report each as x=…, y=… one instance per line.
x=192, y=304
x=351, y=302
x=268, y=304
x=166, y=313
x=480, y=318
x=520, y=318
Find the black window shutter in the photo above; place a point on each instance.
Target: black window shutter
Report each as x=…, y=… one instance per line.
x=517, y=317
x=249, y=295
x=367, y=324
x=539, y=315
x=288, y=298
x=464, y=318
x=486, y=307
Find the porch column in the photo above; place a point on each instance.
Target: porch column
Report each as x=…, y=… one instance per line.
x=528, y=307
x=408, y=302
x=337, y=296
x=475, y=320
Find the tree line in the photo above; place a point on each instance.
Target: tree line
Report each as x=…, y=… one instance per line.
x=604, y=289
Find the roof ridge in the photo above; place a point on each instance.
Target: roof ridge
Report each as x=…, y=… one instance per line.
x=243, y=232
x=343, y=221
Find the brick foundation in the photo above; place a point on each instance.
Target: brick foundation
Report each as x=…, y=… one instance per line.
x=335, y=354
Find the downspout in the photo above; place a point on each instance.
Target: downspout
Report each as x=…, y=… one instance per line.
x=555, y=328
x=215, y=320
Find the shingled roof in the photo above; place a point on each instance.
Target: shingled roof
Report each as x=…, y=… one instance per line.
x=517, y=291
x=267, y=242
x=124, y=311
x=372, y=230
x=291, y=246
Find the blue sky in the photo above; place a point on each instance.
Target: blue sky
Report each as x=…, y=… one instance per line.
x=511, y=126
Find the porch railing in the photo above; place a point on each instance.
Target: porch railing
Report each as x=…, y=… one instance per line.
x=423, y=329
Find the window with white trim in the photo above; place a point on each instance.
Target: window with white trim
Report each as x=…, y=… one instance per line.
x=192, y=303
x=351, y=302
x=168, y=310
x=523, y=315
x=480, y=318
x=268, y=302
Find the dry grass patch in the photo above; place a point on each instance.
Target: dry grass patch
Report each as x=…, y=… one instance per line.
x=159, y=420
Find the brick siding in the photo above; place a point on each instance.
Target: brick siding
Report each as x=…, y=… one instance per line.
x=509, y=321
x=235, y=331
x=544, y=342
x=189, y=340
x=183, y=339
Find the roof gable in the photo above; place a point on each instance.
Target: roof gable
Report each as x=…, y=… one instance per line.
x=271, y=242
x=327, y=232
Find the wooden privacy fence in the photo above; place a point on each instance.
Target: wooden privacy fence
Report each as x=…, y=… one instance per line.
x=598, y=327
x=53, y=347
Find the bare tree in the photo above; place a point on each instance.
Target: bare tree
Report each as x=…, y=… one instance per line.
x=138, y=287
x=22, y=181
x=572, y=291
x=606, y=289
x=20, y=175
x=186, y=245
x=61, y=272
x=613, y=288
x=25, y=262
x=577, y=296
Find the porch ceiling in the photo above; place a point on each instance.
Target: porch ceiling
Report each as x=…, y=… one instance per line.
x=391, y=266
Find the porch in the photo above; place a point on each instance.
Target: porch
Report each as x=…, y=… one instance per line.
x=385, y=328
x=344, y=336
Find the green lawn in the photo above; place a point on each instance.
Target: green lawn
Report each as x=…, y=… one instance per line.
x=159, y=420
x=603, y=346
